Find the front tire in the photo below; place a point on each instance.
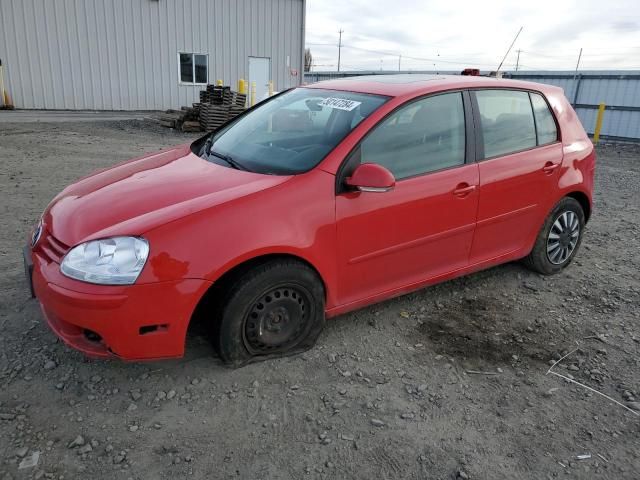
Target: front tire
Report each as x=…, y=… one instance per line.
x=559, y=238
x=273, y=310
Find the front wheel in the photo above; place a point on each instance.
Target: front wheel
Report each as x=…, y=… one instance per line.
x=272, y=310
x=559, y=239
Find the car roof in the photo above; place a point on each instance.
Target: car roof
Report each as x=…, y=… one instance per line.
x=411, y=84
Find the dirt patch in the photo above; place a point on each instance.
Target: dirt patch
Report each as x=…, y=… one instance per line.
x=481, y=329
x=385, y=394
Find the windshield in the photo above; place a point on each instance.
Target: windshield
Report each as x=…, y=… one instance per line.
x=292, y=132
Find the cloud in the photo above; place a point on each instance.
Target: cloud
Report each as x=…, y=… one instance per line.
x=452, y=35
x=625, y=26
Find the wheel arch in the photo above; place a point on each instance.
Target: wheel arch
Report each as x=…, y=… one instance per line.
x=584, y=202
x=211, y=297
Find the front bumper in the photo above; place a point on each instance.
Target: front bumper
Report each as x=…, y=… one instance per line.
x=134, y=322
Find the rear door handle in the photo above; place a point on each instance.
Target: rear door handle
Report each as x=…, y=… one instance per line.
x=463, y=189
x=550, y=167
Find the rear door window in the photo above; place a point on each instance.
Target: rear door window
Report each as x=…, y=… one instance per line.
x=506, y=121
x=545, y=124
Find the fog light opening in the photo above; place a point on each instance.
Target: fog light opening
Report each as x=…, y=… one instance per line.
x=92, y=336
x=147, y=329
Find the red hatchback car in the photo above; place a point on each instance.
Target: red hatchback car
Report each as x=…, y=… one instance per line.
x=321, y=200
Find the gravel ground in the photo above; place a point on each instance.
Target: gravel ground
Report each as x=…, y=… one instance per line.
x=388, y=392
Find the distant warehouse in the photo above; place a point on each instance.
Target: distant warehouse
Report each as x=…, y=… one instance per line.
x=145, y=54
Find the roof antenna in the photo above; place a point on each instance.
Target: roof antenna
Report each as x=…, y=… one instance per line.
x=510, y=47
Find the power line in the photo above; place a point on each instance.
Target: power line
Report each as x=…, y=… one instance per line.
x=536, y=54
x=404, y=59
x=437, y=45
x=420, y=59
x=565, y=69
x=358, y=69
x=619, y=50
x=320, y=44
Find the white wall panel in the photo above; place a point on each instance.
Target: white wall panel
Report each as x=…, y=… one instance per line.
x=123, y=54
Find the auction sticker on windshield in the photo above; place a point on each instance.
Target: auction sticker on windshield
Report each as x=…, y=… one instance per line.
x=339, y=103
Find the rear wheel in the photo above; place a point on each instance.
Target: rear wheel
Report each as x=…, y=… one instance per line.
x=559, y=239
x=272, y=310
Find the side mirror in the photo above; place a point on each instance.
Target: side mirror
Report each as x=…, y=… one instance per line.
x=371, y=177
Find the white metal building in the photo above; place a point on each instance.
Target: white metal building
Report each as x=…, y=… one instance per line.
x=145, y=54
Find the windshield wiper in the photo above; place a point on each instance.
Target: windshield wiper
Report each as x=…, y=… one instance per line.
x=234, y=163
x=207, y=146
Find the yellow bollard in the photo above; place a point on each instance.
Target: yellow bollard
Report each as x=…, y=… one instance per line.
x=219, y=83
x=596, y=133
x=270, y=88
x=2, y=102
x=253, y=93
x=242, y=86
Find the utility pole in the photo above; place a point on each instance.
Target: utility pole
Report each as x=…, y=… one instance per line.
x=339, y=47
x=518, y=59
x=399, y=60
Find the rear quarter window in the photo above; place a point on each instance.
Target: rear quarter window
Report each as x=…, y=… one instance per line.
x=506, y=121
x=545, y=124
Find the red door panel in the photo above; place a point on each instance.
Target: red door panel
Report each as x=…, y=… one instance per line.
x=516, y=192
x=422, y=228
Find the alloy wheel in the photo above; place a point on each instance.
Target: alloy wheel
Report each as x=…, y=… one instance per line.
x=563, y=237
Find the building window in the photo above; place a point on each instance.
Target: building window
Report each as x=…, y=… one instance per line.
x=194, y=68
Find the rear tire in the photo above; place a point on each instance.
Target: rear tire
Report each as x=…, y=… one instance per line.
x=559, y=238
x=273, y=310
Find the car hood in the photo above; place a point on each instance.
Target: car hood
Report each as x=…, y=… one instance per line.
x=141, y=194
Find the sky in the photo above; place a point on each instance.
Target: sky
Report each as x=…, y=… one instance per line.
x=448, y=35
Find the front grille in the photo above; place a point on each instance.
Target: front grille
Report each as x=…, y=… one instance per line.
x=52, y=248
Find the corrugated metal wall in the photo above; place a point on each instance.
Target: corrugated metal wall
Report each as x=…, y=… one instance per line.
x=618, y=89
x=123, y=54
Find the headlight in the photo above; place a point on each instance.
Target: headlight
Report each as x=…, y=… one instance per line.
x=111, y=261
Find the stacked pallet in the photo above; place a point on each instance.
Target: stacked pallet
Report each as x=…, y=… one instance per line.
x=186, y=119
x=216, y=95
x=218, y=104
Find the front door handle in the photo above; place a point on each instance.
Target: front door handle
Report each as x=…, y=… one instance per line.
x=463, y=189
x=550, y=167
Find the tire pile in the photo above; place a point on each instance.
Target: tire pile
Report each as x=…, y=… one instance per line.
x=218, y=104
